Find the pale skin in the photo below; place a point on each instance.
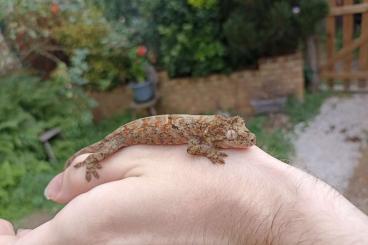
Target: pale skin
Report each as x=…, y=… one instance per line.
x=162, y=195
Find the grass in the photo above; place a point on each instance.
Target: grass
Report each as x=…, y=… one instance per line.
x=277, y=142
x=303, y=112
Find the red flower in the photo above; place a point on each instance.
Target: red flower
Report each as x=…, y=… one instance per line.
x=141, y=51
x=54, y=8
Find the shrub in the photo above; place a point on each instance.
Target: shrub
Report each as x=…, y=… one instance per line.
x=85, y=28
x=265, y=28
x=189, y=36
x=198, y=37
x=46, y=33
x=29, y=107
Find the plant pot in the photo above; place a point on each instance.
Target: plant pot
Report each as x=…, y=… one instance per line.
x=143, y=92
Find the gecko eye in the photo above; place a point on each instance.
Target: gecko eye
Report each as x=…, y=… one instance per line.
x=231, y=135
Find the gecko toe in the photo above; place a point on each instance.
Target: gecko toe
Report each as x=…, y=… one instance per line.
x=80, y=164
x=220, y=161
x=217, y=159
x=222, y=154
x=95, y=174
x=88, y=176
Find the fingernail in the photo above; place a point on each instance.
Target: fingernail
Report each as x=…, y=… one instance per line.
x=54, y=187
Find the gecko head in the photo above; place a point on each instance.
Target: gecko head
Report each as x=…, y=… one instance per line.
x=234, y=134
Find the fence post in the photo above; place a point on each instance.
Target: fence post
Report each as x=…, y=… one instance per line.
x=347, y=30
x=312, y=61
x=363, y=55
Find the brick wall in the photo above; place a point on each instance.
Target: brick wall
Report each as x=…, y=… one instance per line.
x=275, y=77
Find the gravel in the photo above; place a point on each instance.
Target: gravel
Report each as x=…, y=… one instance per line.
x=329, y=146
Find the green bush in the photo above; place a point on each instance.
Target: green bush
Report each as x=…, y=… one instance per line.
x=106, y=49
x=189, y=34
x=29, y=107
x=265, y=28
x=198, y=37
x=190, y=37
x=46, y=33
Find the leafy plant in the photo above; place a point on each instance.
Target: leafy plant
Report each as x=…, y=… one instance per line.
x=46, y=33
x=138, y=64
x=104, y=49
x=189, y=37
x=27, y=27
x=268, y=27
x=276, y=142
x=304, y=111
x=29, y=107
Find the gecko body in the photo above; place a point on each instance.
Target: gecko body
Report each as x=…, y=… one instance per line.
x=204, y=135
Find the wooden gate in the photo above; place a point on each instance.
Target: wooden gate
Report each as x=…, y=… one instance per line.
x=346, y=67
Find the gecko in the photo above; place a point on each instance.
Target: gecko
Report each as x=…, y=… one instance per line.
x=204, y=135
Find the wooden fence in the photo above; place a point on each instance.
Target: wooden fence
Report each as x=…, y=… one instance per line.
x=346, y=67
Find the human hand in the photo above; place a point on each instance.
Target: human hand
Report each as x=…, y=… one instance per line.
x=161, y=195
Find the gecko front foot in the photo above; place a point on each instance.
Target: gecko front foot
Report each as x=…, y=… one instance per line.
x=217, y=157
x=92, y=165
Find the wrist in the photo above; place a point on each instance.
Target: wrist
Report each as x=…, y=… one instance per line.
x=318, y=215
x=322, y=216
x=280, y=204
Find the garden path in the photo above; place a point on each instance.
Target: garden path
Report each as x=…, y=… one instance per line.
x=333, y=146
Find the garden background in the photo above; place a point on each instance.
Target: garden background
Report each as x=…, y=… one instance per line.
x=66, y=65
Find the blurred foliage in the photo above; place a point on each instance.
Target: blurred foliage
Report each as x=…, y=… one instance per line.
x=190, y=38
x=89, y=38
x=28, y=108
x=276, y=142
x=138, y=64
x=260, y=28
x=27, y=26
x=186, y=35
x=304, y=111
x=198, y=37
x=53, y=31
x=203, y=3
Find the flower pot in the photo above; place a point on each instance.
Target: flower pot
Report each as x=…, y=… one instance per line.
x=143, y=92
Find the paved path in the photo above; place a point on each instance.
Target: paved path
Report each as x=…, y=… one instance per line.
x=330, y=146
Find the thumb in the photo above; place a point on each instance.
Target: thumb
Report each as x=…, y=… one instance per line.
x=6, y=228
x=72, y=182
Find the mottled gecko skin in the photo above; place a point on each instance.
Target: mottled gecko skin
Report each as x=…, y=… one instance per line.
x=203, y=134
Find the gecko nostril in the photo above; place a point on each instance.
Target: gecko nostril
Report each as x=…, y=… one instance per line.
x=253, y=140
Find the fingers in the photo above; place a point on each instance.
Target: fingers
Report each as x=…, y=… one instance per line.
x=6, y=228
x=7, y=234
x=72, y=182
x=132, y=161
x=129, y=162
